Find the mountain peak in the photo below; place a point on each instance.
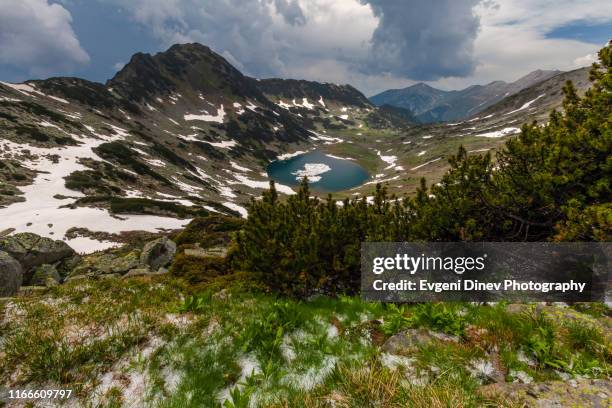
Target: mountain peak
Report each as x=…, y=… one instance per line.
x=182, y=68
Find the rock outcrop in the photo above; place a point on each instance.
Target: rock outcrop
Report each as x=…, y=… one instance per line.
x=158, y=253
x=31, y=251
x=11, y=275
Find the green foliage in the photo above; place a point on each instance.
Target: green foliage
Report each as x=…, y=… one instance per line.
x=305, y=245
x=396, y=320
x=196, y=269
x=439, y=316
x=195, y=304
x=239, y=399
x=265, y=335
x=210, y=231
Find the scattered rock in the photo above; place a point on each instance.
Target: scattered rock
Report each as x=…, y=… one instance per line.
x=11, y=275
x=108, y=263
x=158, y=253
x=139, y=272
x=412, y=338
x=31, y=250
x=45, y=275
x=586, y=393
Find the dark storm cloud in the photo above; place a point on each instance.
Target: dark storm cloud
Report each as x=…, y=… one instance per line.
x=291, y=11
x=423, y=39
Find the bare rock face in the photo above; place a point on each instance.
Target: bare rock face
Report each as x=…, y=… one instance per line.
x=158, y=253
x=31, y=250
x=11, y=275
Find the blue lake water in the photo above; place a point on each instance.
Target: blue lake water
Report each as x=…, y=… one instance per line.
x=325, y=173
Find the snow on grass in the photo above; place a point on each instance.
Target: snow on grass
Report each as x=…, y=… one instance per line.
x=427, y=137
x=188, y=188
x=421, y=153
x=481, y=368
x=24, y=88
x=249, y=366
x=226, y=191
x=394, y=361
x=312, y=377
x=321, y=102
x=27, y=89
x=218, y=118
x=525, y=105
x=238, y=167
x=387, y=159
x=425, y=164
x=6, y=99
x=281, y=188
x=307, y=104
x=225, y=144
x=343, y=117
x=500, y=133
x=312, y=171
x=239, y=108
x=41, y=214
x=378, y=180
x=286, y=156
x=118, y=130
x=149, y=107
x=338, y=157
x=55, y=98
x=233, y=206
x=155, y=162
x=283, y=104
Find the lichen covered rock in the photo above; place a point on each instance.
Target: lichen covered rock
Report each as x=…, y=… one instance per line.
x=11, y=275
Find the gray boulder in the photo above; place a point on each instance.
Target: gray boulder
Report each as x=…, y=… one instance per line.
x=45, y=275
x=31, y=250
x=158, y=253
x=107, y=263
x=11, y=275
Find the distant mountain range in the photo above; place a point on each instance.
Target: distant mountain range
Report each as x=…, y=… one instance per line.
x=430, y=105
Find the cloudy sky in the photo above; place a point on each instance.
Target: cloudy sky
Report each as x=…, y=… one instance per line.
x=371, y=44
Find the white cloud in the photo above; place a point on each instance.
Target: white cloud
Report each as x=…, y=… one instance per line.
x=37, y=37
x=118, y=66
x=333, y=40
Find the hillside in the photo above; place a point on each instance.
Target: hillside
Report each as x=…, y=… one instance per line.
x=173, y=135
x=433, y=105
x=183, y=133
